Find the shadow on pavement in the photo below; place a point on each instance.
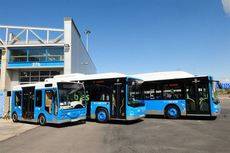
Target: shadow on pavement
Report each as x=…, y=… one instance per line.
x=208, y=118
x=63, y=125
x=122, y=122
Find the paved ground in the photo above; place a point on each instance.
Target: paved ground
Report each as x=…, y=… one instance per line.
x=148, y=135
x=9, y=129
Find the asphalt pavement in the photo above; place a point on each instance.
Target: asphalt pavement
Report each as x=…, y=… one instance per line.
x=150, y=135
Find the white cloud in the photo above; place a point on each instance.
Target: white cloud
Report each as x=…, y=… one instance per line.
x=226, y=6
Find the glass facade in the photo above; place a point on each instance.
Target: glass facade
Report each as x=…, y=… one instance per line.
x=43, y=54
x=36, y=75
x=18, y=55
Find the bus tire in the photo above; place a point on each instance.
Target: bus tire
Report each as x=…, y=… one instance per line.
x=15, y=117
x=42, y=120
x=102, y=115
x=172, y=112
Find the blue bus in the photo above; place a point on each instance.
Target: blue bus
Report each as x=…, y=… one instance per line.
x=108, y=96
x=192, y=96
x=49, y=102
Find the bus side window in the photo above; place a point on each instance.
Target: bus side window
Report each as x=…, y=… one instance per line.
x=38, y=98
x=172, y=91
x=158, y=94
x=18, y=96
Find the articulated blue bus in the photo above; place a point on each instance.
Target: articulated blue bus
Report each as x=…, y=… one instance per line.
x=108, y=96
x=192, y=96
x=49, y=102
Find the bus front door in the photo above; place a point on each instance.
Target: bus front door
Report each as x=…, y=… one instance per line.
x=197, y=97
x=28, y=102
x=51, y=106
x=118, y=101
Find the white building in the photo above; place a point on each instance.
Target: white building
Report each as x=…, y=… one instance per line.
x=32, y=54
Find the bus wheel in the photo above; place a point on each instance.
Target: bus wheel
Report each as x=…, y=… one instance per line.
x=14, y=117
x=42, y=120
x=102, y=115
x=172, y=112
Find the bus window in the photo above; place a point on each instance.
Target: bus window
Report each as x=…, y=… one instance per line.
x=100, y=92
x=48, y=103
x=158, y=94
x=172, y=91
x=18, y=95
x=38, y=98
x=149, y=94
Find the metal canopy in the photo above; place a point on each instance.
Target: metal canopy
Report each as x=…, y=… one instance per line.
x=19, y=36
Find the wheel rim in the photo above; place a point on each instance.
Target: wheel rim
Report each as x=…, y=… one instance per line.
x=172, y=112
x=101, y=116
x=42, y=120
x=14, y=117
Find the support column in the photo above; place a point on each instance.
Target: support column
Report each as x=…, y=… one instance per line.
x=5, y=81
x=68, y=43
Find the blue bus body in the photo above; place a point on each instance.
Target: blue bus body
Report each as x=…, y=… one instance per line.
x=36, y=106
x=108, y=98
x=131, y=113
x=201, y=89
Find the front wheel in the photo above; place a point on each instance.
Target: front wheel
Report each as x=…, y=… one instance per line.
x=15, y=117
x=102, y=115
x=42, y=120
x=172, y=112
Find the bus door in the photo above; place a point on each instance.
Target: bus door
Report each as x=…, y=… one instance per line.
x=51, y=104
x=197, y=97
x=118, y=101
x=28, y=102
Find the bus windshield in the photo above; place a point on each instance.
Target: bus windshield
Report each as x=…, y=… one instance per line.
x=134, y=93
x=215, y=94
x=71, y=95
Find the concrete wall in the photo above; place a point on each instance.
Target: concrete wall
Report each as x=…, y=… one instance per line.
x=76, y=57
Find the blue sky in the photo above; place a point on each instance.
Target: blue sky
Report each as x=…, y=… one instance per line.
x=135, y=36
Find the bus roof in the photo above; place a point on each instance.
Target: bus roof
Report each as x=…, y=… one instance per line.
x=163, y=75
x=82, y=77
x=38, y=85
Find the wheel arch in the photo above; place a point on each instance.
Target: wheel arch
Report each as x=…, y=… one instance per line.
x=40, y=115
x=14, y=112
x=168, y=105
x=101, y=107
x=104, y=108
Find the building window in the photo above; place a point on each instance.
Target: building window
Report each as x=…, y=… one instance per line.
x=36, y=76
x=37, y=54
x=18, y=55
x=54, y=54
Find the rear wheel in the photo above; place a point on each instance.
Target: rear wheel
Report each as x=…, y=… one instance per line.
x=42, y=120
x=14, y=117
x=102, y=115
x=172, y=112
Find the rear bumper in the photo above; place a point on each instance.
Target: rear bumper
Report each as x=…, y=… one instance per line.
x=216, y=110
